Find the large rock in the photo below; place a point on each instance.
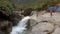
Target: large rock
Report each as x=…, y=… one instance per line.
x=56, y=31
x=15, y=18
x=44, y=23
x=5, y=27
x=42, y=28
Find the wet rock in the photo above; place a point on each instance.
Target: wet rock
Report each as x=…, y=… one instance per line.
x=27, y=12
x=5, y=27
x=33, y=22
x=15, y=18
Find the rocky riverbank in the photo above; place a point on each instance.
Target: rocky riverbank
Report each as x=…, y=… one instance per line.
x=46, y=24
x=41, y=24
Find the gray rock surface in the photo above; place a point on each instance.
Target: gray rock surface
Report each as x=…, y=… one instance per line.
x=44, y=23
x=57, y=31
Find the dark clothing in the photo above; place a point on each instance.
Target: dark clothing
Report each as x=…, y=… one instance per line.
x=52, y=8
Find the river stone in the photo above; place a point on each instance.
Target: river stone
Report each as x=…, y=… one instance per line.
x=42, y=28
x=32, y=22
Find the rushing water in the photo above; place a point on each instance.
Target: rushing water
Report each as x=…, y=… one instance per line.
x=20, y=28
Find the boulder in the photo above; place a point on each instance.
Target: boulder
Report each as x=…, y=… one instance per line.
x=5, y=27
x=56, y=31
x=42, y=28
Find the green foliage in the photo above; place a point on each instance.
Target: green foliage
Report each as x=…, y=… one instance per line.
x=6, y=6
x=10, y=5
x=33, y=3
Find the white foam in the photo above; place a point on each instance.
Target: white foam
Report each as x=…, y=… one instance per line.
x=20, y=28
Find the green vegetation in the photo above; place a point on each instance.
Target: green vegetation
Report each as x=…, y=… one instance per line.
x=6, y=6
x=34, y=3
x=10, y=5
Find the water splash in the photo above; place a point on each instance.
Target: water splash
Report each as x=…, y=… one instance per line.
x=20, y=28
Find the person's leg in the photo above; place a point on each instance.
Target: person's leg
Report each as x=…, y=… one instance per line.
x=50, y=13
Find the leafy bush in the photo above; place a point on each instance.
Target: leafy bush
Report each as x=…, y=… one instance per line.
x=6, y=6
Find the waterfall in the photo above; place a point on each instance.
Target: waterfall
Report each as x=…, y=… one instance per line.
x=20, y=28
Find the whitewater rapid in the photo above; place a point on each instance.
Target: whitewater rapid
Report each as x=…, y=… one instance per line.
x=21, y=26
